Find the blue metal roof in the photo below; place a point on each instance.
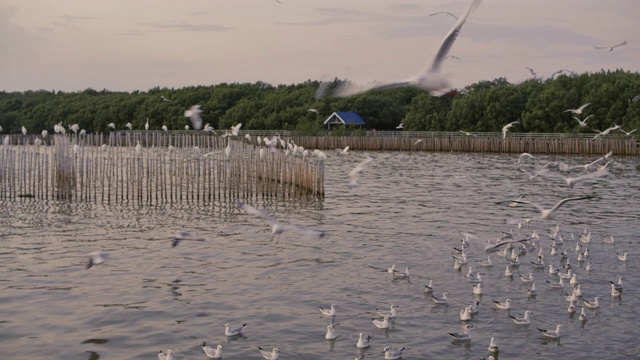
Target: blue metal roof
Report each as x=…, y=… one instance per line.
x=345, y=117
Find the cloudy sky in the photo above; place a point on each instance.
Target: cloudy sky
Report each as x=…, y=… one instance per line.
x=72, y=45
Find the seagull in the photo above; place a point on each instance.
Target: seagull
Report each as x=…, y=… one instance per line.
x=622, y=257
x=465, y=314
x=531, y=71
x=276, y=227
x=507, y=127
x=112, y=125
x=164, y=98
x=401, y=126
x=618, y=285
x=354, y=174
x=146, y=125
x=328, y=312
x=578, y=110
x=211, y=352
x=363, y=342
x=314, y=111
x=392, y=354
x=606, y=131
x=180, y=235
x=552, y=334
x=391, y=314
x=236, y=129
x=614, y=291
x=583, y=123
x=493, y=347
x=331, y=332
x=444, y=12
x=194, y=115
x=525, y=320
x=381, y=324
x=592, y=305
x=270, y=355
x=468, y=133
x=442, y=300
x=24, y=130
x=633, y=99
x=164, y=127
x=430, y=80
x=96, y=257
x=628, y=133
x=228, y=331
x=506, y=305
x=344, y=151
x=452, y=57
x=129, y=126
x=547, y=214
x=464, y=336
x=162, y=356
x=610, y=47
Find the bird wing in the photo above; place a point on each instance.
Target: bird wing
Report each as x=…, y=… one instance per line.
x=583, y=106
x=451, y=36
x=561, y=202
x=600, y=47
x=259, y=213
x=349, y=88
x=621, y=44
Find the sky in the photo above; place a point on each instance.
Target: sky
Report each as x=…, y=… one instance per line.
x=72, y=45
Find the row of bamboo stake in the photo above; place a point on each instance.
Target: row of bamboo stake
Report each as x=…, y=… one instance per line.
x=82, y=169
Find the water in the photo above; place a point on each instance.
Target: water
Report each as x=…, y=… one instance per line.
x=408, y=210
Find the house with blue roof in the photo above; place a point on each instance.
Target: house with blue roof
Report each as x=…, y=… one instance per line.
x=344, y=118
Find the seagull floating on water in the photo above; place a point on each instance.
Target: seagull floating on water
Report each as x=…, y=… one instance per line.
x=363, y=342
x=270, y=355
x=228, y=331
x=211, y=352
x=493, y=347
x=167, y=356
x=463, y=336
x=331, y=332
x=525, y=320
x=381, y=324
x=506, y=305
x=391, y=314
x=552, y=334
x=392, y=354
x=330, y=311
x=441, y=300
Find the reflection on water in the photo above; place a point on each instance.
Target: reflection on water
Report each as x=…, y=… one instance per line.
x=408, y=210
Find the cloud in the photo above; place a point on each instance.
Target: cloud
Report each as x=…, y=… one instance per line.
x=183, y=26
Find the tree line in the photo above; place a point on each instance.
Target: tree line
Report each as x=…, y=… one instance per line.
x=538, y=104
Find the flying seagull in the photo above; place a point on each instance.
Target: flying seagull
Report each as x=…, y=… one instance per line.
x=276, y=227
x=531, y=71
x=578, y=110
x=164, y=98
x=547, y=214
x=452, y=57
x=194, y=114
x=610, y=47
x=583, y=123
x=507, y=127
x=444, y=12
x=431, y=79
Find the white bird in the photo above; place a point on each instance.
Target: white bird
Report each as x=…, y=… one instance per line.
x=381, y=324
x=355, y=173
x=24, y=130
x=592, y=304
x=164, y=98
x=583, y=315
x=574, y=279
x=391, y=314
x=507, y=127
x=146, y=125
x=629, y=132
x=552, y=334
x=527, y=279
x=441, y=300
x=111, y=125
x=614, y=291
x=96, y=258
x=180, y=235
x=525, y=320
x=465, y=314
x=129, y=126
x=508, y=272
x=194, y=115
x=589, y=266
x=547, y=214
x=44, y=134
x=583, y=123
x=468, y=133
x=228, y=331
x=167, y=356
x=606, y=131
x=505, y=305
x=610, y=47
x=74, y=128
x=331, y=332
x=277, y=227
x=428, y=288
x=164, y=127
x=577, y=291
x=83, y=132
x=622, y=257
x=477, y=289
x=400, y=126
x=363, y=342
x=463, y=336
x=475, y=307
x=211, y=352
x=331, y=311
x=270, y=355
x=431, y=80
x=618, y=285
x=236, y=129
x=572, y=308
x=344, y=151
x=493, y=347
x=532, y=292
x=578, y=110
x=392, y=354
